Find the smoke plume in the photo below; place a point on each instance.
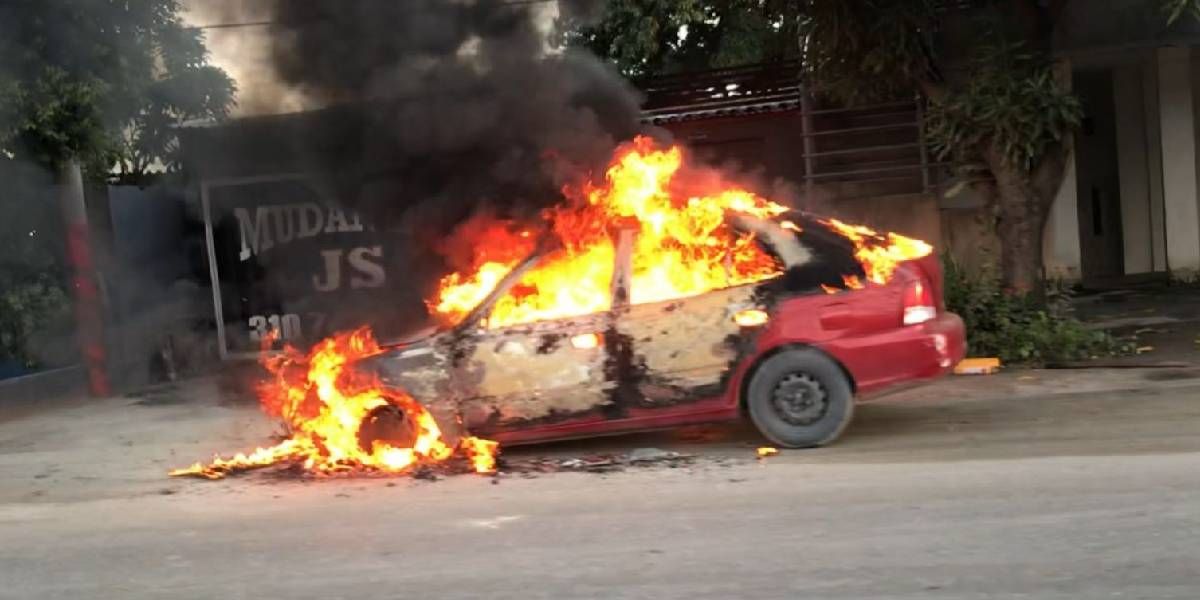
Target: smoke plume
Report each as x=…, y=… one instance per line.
x=456, y=104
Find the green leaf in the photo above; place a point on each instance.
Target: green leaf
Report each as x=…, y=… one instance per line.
x=115, y=85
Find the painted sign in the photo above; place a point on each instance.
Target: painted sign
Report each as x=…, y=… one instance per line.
x=286, y=258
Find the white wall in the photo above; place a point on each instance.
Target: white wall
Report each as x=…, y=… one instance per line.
x=1061, y=257
x=1178, y=127
x=1060, y=243
x=1133, y=170
x=1154, y=163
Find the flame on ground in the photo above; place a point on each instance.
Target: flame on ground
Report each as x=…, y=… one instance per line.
x=324, y=402
x=683, y=247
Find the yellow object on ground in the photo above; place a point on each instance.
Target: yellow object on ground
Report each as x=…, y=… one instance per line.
x=977, y=366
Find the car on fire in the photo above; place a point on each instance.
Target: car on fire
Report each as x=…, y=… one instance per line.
x=793, y=352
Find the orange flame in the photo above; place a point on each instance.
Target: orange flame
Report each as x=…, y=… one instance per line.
x=325, y=402
x=879, y=254
x=683, y=245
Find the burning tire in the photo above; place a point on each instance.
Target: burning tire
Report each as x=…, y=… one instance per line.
x=386, y=424
x=800, y=399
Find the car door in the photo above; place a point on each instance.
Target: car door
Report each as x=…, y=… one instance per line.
x=685, y=349
x=533, y=373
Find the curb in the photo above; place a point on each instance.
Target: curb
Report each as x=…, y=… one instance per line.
x=44, y=386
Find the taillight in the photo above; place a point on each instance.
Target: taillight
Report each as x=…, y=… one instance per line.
x=919, y=305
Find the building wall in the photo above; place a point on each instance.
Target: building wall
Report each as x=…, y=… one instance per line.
x=1156, y=94
x=1133, y=168
x=1154, y=161
x=1060, y=242
x=1178, y=127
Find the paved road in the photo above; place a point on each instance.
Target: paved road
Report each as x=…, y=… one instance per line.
x=1015, y=488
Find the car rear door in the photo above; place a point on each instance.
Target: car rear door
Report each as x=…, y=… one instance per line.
x=680, y=350
x=683, y=350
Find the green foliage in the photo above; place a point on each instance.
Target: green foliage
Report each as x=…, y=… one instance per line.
x=27, y=307
x=102, y=81
x=33, y=298
x=863, y=50
x=51, y=116
x=651, y=37
x=1011, y=100
x=1020, y=329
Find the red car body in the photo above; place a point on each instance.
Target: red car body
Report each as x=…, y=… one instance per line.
x=861, y=329
x=882, y=337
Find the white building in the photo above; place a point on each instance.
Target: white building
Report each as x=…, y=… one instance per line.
x=1129, y=208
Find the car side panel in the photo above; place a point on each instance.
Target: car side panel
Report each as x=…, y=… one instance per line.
x=683, y=348
x=526, y=374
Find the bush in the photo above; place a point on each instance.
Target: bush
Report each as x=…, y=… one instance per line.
x=28, y=307
x=1021, y=329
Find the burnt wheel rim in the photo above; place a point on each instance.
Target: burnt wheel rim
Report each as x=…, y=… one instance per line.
x=799, y=399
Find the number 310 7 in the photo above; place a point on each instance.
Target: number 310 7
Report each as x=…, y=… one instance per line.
x=287, y=326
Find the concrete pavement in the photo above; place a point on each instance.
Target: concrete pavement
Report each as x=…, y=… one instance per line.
x=1026, y=485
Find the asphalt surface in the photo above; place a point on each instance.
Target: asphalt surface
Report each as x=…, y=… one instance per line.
x=1029, y=485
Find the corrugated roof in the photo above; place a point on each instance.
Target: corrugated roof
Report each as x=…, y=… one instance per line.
x=723, y=92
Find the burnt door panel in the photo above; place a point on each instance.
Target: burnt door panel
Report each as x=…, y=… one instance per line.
x=682, y=349
x=543, y=372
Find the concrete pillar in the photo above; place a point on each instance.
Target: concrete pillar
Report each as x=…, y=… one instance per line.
x=1158, y=227
x=1177, y=124
x=1133, y=170
x=1061, y=255
x=1060, y=241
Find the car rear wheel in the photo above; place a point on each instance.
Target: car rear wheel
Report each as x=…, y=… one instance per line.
x=800, y=398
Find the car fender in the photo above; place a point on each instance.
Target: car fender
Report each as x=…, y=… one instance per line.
x=749, y=367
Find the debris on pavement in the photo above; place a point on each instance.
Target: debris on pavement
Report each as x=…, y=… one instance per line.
x=650, y=455
x=595, y=463
x=977, y=366
x=766, y=451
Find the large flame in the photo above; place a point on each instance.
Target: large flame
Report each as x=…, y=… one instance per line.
x=683, y=246
x=325, y=401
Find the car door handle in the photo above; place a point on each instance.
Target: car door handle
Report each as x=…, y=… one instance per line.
x=585, y=341
x=511, y=347
x=837, y=316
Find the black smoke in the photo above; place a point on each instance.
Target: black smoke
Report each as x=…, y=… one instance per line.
x=450, y=105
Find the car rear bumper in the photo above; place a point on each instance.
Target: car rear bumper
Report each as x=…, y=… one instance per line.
x=944, y=341
x=901, y=357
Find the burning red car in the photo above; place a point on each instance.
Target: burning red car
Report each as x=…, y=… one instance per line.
x=785, y=350
x=664, y=296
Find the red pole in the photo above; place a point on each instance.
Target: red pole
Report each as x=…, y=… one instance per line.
x=88, y=314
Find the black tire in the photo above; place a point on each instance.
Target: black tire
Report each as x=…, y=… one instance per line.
x=800, y=398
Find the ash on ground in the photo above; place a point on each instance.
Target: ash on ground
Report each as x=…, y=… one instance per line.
x=525, y=466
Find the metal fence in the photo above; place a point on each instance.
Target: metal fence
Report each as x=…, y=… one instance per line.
x=872, y=149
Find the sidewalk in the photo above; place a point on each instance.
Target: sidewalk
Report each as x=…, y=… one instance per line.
x=1166, y=321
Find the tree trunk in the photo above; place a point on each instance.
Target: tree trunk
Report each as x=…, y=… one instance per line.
x=1024, y=199
x=89, y=316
